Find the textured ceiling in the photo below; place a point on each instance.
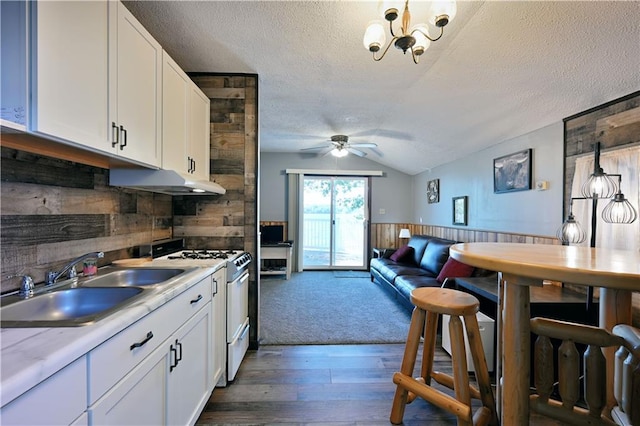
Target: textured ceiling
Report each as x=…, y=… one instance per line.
x=501, y=70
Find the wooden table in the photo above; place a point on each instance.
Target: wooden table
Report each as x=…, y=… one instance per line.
x=616, y=272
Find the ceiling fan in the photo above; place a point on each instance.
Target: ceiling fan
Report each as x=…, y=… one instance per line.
x=339, y=146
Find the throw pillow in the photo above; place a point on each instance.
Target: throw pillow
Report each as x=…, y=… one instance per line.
x=453, y=269
x=403, y=254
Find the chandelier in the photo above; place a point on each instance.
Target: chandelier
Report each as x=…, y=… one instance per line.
x=416, y=38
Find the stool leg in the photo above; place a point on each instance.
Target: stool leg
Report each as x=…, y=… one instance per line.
x=428, y=350
x=459, y=359
x=480, y=366
x=408, y=364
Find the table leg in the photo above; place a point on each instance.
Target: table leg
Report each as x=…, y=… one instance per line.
x=615, y=308
x=516, y=353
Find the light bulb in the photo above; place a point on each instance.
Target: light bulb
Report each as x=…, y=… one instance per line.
x=422, y=42
x=339, y=152
x=443, y=12
x=571, y=231
x=374, y=37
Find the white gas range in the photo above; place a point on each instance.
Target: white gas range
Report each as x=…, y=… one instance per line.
x=236, y=290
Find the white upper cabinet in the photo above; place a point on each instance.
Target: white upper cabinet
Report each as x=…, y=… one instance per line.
x=13, y=63
x=69, y=72
x=185, y=123
x=199, y=133
x=175, y=116
x=96, y=79
x=135, y=70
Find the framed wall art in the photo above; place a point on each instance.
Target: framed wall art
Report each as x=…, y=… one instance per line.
x=433, y=191
x=512, y=172
x=460, y=210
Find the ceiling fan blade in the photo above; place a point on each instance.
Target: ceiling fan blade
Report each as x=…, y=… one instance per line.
x=315, y=147
x=356, y=152
x=326, y=151
x=363, y=145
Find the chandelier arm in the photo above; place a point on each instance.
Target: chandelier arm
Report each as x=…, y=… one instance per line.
x=391, y=30
x=427, y=35
x=384, y=52
x=416, y=58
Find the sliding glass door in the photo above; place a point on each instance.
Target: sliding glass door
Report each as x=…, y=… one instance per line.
x=335, y=220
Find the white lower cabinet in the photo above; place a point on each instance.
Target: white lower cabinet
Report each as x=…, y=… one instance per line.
x=188, y=389
x=59, y=400
x=166, y=361
x=219, y=327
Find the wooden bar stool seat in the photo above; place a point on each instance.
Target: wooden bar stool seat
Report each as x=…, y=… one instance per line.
x=429, y=304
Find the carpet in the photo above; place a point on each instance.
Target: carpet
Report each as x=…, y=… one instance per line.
x=313, y=307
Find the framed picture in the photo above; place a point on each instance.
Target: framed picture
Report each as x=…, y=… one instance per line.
x=460, y=210
x=433, y=191
x=512, y=172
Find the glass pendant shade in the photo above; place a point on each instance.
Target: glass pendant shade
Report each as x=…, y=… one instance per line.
x=571, y=232
x=619, y=210
x=422, y=42
x=374, y=37
x=440, y=8
x=599, y=185
x=389, y=5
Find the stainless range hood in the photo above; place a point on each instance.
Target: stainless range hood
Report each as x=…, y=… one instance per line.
x=167, y=182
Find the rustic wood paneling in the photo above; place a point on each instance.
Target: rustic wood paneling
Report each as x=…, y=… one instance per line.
x=614, y=125
x=227, y=221
x=58, y=210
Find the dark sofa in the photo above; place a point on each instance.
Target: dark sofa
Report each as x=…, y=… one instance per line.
x=419, y=267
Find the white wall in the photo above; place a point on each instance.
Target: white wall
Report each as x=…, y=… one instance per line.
x=528, y=212
x=393, y=192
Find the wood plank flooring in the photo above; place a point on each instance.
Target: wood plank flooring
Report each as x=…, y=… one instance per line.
x=325, y=384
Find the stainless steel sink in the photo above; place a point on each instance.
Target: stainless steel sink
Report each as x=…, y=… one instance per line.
x=138, y=277
x=67, y=307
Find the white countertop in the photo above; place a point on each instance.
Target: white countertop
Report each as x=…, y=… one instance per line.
x=30, y=355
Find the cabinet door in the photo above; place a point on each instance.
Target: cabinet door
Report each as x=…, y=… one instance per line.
x=140, y=398
x=138, y=83
x=199, y=144
x=13, y=64
x=60, y=399
x=190, y=383
x=218, y=327
x=70, y=80
x=175, y=119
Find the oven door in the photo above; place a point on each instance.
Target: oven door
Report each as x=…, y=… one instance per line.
x=237, y=306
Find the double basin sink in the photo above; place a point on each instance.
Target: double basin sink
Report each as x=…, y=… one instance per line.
x=83, y=301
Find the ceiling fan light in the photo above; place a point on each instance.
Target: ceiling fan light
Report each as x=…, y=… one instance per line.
x=374, y=36
x=419, y=32
x=339, y=152
x=443, y=12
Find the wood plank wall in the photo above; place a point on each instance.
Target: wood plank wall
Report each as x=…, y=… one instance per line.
x=228, y=221
x=54, y=210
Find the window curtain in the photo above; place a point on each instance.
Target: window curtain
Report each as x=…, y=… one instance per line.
x=623, y=161
x=294, y=230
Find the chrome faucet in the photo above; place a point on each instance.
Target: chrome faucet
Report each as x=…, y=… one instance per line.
x=53, y=276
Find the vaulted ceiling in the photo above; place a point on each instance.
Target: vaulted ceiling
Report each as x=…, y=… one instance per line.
x=501, y=70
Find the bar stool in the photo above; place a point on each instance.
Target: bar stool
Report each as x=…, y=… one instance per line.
x=429, y=304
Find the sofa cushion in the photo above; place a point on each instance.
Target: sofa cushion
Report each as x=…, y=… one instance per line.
x=389, y=269
x=403, y=254
x=435, y=255
x=452, y=269
x=419, y=243
x=405, y=284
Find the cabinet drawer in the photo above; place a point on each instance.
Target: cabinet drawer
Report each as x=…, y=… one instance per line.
x=113, y=359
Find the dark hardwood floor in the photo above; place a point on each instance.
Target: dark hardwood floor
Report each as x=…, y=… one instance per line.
x=326, y=384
